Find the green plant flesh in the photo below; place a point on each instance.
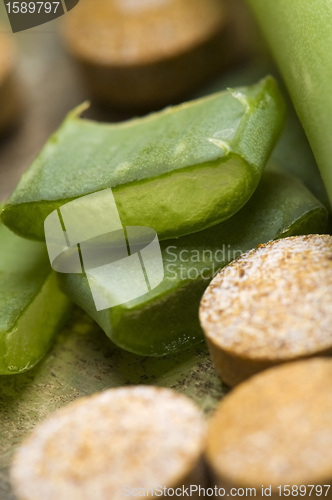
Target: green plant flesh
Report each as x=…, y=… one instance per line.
x=292, y=151
x=300, y=36
x=32, y=308
x=166, y=318
x=178, y=171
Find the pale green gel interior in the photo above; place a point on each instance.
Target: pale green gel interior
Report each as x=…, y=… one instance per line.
x=33, y=333
x=202, y=196
x=229, y=183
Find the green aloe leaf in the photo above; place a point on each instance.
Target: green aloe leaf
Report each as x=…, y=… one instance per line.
x=177, y=171
x=166, y=319
x=32, y=308
x=300, y=36
x=292, y=151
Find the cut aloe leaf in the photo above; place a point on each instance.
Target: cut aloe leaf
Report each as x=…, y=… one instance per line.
x=292, y=151
x=32, y=308
x=177, y=171
x=166, y=319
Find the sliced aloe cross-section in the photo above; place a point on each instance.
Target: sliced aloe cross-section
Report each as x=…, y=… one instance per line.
x=32, y=308
x=166, y=318
x=178, y=171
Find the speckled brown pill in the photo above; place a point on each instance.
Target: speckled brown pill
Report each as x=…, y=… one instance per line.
x=271, y=305
x=276, y=430
x=147, y=53
x=10, y=102
x=104, y=446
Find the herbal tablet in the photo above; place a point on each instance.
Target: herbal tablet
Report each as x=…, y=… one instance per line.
x=274, y=432
x=121, y=442
x=148, y=53
x=271, y=305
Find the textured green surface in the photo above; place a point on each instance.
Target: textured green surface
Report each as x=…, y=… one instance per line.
x=178, y=171
x=292, y=151
x=31, y=306
x=300, y=35
x=84, y=361
x=166, y=319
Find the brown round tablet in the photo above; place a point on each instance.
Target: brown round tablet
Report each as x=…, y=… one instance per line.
x=275, y=430
x=271, y=305
x=147, y=53
x=10, y=103
x=104, y=446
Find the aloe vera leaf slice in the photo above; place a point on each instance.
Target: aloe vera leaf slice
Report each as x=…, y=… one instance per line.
x=178, y=171
x=292, y=151
x=166, y=319
x=32, y=308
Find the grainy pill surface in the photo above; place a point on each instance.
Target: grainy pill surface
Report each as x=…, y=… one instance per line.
x=138, y=437
x=145, y=53
x=271, y=305
x=276, y=429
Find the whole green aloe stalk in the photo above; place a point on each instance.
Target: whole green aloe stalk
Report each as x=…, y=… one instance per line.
x=300, y=36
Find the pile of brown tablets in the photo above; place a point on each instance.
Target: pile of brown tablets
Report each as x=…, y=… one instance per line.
x=273, y=431
x=270, y=307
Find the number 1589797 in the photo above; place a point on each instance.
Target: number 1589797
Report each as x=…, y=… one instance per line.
x=32, y=7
